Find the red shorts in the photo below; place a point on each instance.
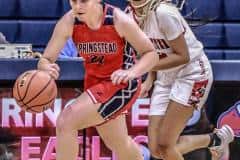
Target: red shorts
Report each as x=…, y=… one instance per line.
x=114, y=99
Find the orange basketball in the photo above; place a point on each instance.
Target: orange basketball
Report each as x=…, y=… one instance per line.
x=35, y=91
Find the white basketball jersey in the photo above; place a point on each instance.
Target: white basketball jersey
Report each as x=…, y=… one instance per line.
x=165, y=24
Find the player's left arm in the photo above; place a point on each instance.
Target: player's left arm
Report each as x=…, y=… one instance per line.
x=174, y=31
x=129, y=30
x=179, y=57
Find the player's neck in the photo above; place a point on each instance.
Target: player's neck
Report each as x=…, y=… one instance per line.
x=95, y=21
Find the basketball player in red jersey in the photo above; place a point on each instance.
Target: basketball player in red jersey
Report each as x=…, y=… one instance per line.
x=100, y=32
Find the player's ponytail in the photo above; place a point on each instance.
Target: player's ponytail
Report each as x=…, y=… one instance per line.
x=190, y=16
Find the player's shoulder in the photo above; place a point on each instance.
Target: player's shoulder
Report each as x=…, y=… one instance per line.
x=121, y=21
x=121, y=18
x=65, y=24
x=166, y=9
x=68, y=17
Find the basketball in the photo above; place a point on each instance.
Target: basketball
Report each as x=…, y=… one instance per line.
x=35, y=91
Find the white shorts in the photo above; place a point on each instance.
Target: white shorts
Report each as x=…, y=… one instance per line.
x=188, y=85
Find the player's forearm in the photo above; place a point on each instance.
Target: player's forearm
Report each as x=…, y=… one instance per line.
x=172, y=60
x=151, y=76
x=145, y=64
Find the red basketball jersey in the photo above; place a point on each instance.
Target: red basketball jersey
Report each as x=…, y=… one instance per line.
x=102, y=49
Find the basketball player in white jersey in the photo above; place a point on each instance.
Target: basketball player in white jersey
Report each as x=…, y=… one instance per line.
x=182, y=82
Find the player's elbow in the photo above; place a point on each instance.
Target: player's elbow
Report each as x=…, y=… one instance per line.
x=185, y=59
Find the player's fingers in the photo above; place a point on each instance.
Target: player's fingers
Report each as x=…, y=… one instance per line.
x=123, y=76
x=125, y=79
x=55, y=66
x=54, y=73
x=116, y=75
x=141, y=94
x=113, y=75
x=145, y=95
x=120, y=79
x=115, y=80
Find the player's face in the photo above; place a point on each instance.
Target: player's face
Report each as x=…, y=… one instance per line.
x=82, y=8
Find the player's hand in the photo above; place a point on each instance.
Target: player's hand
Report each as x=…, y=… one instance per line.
x=122, y=76
x=147, y=84
x=145, y=88
x=51, y=68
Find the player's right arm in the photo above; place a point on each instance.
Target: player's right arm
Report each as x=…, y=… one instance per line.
x=62, y=31
x=128, y=29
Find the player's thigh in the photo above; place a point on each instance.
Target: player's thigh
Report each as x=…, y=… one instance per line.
x=81, y=113
x=155, y=123
x=158, y=108
x=174, y=122
x=114, y=132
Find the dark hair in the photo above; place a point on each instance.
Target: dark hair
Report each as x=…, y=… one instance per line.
x=190, y=16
